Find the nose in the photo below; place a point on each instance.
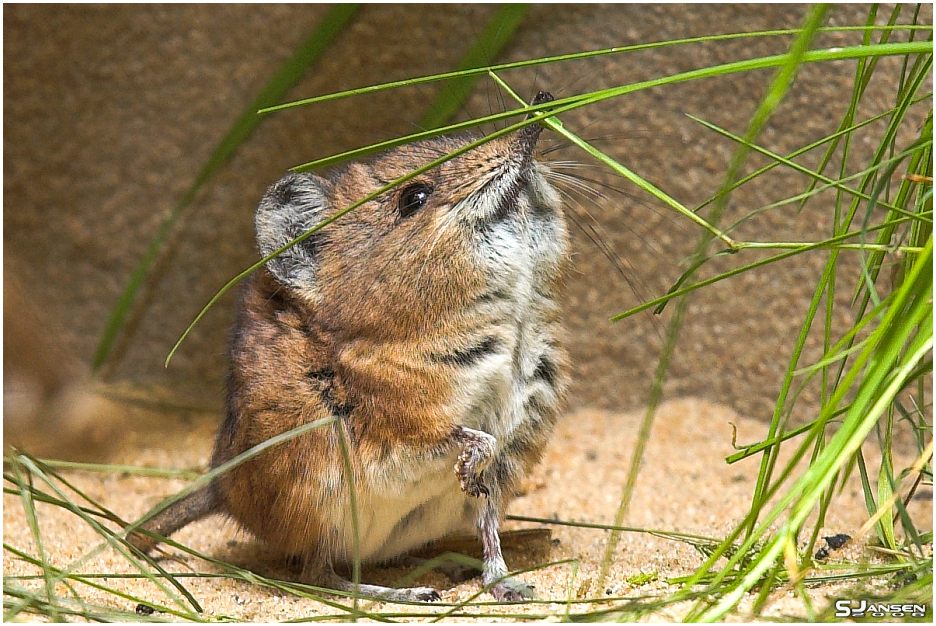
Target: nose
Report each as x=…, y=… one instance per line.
x=541, y=97
x=529, y=134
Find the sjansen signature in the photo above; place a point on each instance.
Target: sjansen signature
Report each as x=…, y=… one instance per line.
x=861, y=608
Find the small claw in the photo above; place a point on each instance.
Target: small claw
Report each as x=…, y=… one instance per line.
x=473, y=486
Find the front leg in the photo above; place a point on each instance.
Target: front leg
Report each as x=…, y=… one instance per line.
x=477, y=453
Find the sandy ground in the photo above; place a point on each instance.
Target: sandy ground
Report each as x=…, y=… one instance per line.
x=685, y=486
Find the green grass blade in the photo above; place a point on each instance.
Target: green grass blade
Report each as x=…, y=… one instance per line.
x=136, y=470
x=497, y=33
x=341, y=435
x=774, y=95
x=570, y=103
x=863, y=73
x=288, y=75
x=118, y=539
x=111, y=538
x=831, y=243
x=800, y=151
x=578, y=56
x=897, y=349
x=793, y=165
x=886, y=488
x=29, y=508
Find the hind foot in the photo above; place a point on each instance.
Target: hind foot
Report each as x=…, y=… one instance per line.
x=512, y=590
x=378, y=592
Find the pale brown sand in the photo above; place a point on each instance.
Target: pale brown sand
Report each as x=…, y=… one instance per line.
x=685, y=485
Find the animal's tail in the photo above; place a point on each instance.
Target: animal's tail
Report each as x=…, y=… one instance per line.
x=192, y=507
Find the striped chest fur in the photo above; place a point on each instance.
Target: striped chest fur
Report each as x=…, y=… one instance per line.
x=513, y=375
x=506, y=375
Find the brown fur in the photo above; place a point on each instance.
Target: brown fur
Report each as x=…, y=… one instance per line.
x=380, y=352
x=378, y=339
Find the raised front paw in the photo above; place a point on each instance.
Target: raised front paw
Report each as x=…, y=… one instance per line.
x=477, y=451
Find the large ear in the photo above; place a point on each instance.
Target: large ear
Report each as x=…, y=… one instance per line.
x=291, y=206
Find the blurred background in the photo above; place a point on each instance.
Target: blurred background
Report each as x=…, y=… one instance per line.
x=111, y=112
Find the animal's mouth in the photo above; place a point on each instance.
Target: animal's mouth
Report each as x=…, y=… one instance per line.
x=521, y=147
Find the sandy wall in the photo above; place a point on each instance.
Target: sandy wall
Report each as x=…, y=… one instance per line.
x=111, y=111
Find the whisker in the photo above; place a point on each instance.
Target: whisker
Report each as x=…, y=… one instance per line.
x=591, y=233
x=596, y=235
x=577, y=80
x=503, y=104
x=666, y=215
x=582, y=189
x=575, y=182
x=488, y=88
x=574, y=165
x=562, y=145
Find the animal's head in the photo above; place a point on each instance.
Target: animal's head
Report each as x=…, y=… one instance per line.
x=406, y=259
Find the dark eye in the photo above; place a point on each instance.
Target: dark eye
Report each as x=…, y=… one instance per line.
x=414, y=198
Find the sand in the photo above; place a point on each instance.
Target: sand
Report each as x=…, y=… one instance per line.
x=685, y=485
